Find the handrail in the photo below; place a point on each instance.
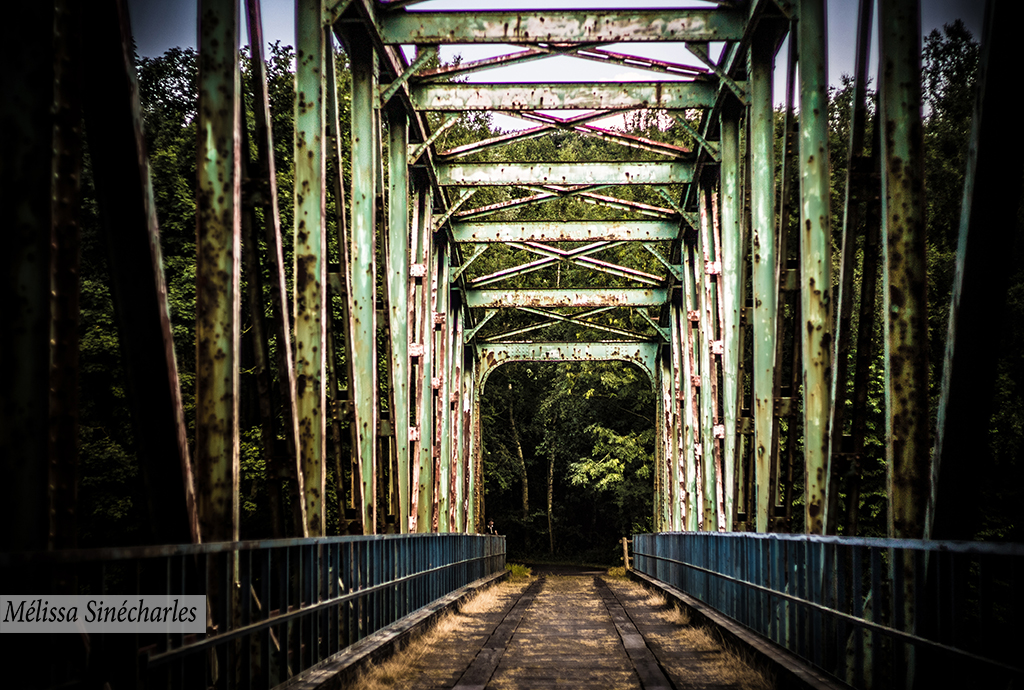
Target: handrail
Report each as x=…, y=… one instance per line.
x=840, y=602
x=274, y=607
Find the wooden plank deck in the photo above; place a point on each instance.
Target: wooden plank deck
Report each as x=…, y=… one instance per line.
x=568, y=631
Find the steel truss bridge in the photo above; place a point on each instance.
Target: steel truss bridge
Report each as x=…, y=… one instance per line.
x=726, y=292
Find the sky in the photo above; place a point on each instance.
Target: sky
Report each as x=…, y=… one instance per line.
x=158, y=25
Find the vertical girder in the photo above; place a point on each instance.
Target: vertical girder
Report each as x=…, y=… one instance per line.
x=731, y=295
x=310, y=258
x=904, y=267
x=398, y=300
x=764, y=276
x=816, y=258
x=218, y=189
x=363, y=270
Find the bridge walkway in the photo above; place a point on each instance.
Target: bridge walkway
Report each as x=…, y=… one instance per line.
x=556, y=631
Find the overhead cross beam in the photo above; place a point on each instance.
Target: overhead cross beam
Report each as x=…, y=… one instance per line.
x=496, y=97
x=563, y=231
x=614, y=172
x=582, y=297
x=562, y=26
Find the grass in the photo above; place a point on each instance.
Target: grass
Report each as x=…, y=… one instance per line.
x=718, y=663
x=518, y=572
x=405, y=666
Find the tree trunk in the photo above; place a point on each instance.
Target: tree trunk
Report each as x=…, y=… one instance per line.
x=522, y=465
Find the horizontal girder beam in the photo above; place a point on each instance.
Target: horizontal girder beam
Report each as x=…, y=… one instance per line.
x=583, y=297
x=609, y=173
x=562, y=231
x=666, y=95
x=493, y=355
x=562, y=26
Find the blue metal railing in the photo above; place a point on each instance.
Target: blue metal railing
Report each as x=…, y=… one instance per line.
x=842, y=605
x=275, y=608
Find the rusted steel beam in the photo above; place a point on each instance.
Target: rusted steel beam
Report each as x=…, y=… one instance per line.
x=459, y=438
x=552, y=318
x=130, y=229
x=310, y=258
x=587, y=262
x=509, y=173
x=263, y=169
x=442, y=370
x=905, y=268
x=609, y=57
x=731, y=296
x=347, y=496
x=398, y=299
x=644, y=355
x=816, y=259
x=844, y=309
x=788, y=373
x=764, y=271
x=710, y=455
x=445, y=72
x=667, y=95
x=562, y=231
x=493, y=142
x=472, y=441
x=552, y=297
x=666, y=496
x=423, y=469
x=562, y=26
x=435, y=334
x=723, y=464
x=677, y=427
x=692, y=367
x=363, y=268
x=523, y=269
x=992, y=195
x=217, y=270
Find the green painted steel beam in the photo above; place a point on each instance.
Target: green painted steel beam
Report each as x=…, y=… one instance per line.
x=905, y=279
x=706, y=309
x=667, y=95
x=422, y=246
x=732, y=294
x=398, y=300
x=562, y=231
x=443, y=372
x=816, y=259
x=363, y=271
x=218, y=269
x=679, y=430
x=310, y=259
x=562, y=26
x=765, y=290
x=583, y=297
x=491, y=356
x=500, y=174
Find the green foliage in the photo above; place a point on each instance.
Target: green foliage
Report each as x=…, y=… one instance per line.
x=517, y=571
